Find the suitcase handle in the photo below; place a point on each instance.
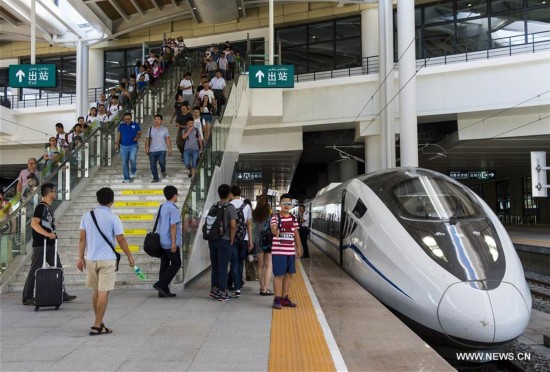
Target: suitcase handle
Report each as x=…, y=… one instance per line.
x=55, y=254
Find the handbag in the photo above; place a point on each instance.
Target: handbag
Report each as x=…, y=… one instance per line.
x=151, y=244
x=107, y=240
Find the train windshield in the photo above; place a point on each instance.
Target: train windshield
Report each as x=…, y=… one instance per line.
x=432, y=198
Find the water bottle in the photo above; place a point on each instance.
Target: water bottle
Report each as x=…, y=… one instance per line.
x=139, y=273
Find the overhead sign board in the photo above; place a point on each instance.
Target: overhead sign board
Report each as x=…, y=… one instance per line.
x=271, y=76
x=249, y=176
x=481, y=175
x=32, y=76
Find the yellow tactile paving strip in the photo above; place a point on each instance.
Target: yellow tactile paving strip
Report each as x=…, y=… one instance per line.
x=297, y=340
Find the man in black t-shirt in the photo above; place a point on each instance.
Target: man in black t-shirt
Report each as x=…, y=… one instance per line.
x=43, y=227
x=181, y=121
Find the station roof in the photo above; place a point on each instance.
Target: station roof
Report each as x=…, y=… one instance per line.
x=93, y=21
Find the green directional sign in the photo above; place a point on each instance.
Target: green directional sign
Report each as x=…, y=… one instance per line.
x=273, y=76
x=481, y=175
x=32, y=76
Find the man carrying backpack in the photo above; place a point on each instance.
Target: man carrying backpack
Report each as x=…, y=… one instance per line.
x=243, y=241
x=219, y=229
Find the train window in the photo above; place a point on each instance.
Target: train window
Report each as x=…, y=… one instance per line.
x=359, y=209
x=433, y=198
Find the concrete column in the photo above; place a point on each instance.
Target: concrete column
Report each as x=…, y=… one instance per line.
x=372, y=154
x=347, y=169
x=96, y=68
x=271, y=50
x=385, y=29
x=369, y=36
x=407, y=83
x=82, y=59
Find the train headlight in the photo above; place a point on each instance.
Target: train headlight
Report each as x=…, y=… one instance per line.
x=492, y=247
x=430, y=242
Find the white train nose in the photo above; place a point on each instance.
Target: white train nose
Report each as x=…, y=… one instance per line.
x=465, y=312
x=510, y=310
x=468, y=312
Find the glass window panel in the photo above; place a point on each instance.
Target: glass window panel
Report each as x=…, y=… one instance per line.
x=321, y=56
x=438, y=40
x=470, y=8
x=132, y=56
x=321, y=32
x=471, y=35
x=507, y=29
x=537, y=3
x=348, y=27
x=296, y=56
x=348, y=53
x=538, y=21
x=418, y=16
x=292, y=36
x=438, y=13
x=505, y=5
x=114, y=58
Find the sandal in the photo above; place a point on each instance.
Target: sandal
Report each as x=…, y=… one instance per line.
x=100, y=330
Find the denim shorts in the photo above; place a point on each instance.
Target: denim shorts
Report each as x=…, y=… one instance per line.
x=283, y=265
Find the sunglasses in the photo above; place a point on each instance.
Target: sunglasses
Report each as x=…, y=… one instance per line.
x=286, y=203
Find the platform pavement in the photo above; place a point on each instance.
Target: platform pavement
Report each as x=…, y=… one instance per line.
x=188, y=332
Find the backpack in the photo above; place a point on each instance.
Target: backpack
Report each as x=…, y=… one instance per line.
x=266, y=236
x=65, y=144
x=214, y=228
x=240, y=232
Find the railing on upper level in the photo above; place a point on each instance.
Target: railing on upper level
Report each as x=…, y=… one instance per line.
x=503, y=47
x=96, y=150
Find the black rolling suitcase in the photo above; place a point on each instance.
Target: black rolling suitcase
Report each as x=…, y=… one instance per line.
x=48, y=284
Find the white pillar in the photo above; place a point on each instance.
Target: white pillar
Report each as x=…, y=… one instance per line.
x=33, y=32
x=407, y=83
x=372, y=154
x=347, y=169
x=271, y=34
x=82, y=59
x=96, y=68
x=385, y=28
x=369, y=35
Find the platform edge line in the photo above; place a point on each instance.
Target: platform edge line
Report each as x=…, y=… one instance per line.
x=337, y=357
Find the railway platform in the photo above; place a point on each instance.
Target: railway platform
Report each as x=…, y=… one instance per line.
x=336, y=326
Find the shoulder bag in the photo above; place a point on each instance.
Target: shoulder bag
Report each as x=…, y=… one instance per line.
x=151, y=245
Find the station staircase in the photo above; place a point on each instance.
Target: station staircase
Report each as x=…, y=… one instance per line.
x=135, y=203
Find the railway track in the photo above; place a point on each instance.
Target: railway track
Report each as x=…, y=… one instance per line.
x=539, y=288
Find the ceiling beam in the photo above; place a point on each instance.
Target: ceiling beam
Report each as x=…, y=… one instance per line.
x=7, y=18
x=174, y=3
x=25, y=18
x=93, y=14
x=138, y=8
x=119, y=10
x=155, y=4
x=137, y=23
x=50, y=7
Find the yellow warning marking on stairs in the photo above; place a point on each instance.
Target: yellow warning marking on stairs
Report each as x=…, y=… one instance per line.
x=136, y=217
x=297, y=340
x=135, y=232
x=136, y=204
x=132, y=248
x=142, y=192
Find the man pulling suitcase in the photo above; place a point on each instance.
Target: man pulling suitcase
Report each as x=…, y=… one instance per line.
x=43, y=238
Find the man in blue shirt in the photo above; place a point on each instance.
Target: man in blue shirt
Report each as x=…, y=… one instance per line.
x=100, y=260
x=127, y=142
x=169, y=229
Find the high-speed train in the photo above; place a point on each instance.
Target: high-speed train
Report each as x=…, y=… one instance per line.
x=429, y=249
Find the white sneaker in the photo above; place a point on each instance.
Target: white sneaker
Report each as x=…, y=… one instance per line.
x=133, y=175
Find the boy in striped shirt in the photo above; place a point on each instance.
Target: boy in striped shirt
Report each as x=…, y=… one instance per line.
x=286, y=242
